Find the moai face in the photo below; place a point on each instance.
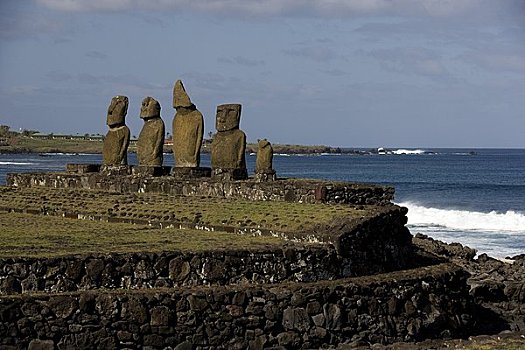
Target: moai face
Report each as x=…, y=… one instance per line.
x=150, y=108
x=228, y=117
x=263, y=143
x=117, y=110
x=180, y=97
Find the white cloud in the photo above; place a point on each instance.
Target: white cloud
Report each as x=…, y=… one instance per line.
x=410, y=60
x=315, y=53
x=497, y=61
x=321, y=8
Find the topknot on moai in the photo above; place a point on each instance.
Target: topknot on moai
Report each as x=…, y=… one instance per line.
x=188, y=129
x=229, y=144
x=151, y=139
x=115, y=148
x=264, y=163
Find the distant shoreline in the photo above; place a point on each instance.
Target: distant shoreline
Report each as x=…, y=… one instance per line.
x=29, y=145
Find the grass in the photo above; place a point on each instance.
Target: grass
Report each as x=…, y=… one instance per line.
x=272, y=215
x=494, y=344
x=35, y=145
x=25, y=144
x=26, y=235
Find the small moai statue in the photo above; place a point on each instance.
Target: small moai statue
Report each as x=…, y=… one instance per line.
x=264, y=162
x=151, y=138
x=115, y=148
x=188, y=129
x=229, y=145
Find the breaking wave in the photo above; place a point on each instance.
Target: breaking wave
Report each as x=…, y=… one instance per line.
x=15, y=163
x=420, y=216
x=409, y=151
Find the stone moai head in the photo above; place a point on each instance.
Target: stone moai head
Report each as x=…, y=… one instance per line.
x=264, y=143
x=150, y=108
x=117, y=110
x=228, y=117
x=180, y=97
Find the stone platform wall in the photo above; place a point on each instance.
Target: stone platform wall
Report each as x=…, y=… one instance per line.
x=400, y=306
x=357, y=247
x=291, y=190
x=154, y=270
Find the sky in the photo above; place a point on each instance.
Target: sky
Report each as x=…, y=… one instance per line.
x=348, y=73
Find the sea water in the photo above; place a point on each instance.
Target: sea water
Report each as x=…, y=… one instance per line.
x=475, y=197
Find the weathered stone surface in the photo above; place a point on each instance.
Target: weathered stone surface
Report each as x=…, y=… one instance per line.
x=264, y=162
x=160, y=316
x=117, y=110
x=179, y=269
x=144, y=170
x=115, y=147
x=151, y=139
x=41, y=345
x=115, y=170
x=190, y=173
x=296, y=318
x=206, y=316
x=82, y=168
x=291, y=190
x=229, y=144
x=188, y=129
x=180, y=96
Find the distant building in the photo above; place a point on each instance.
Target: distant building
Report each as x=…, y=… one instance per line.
x=53, y=136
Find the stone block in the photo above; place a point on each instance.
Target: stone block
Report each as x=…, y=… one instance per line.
x=189, y=173
x=115, y=170
x=224, y=174
x=73, y=168
x=145, y=170
x=38, y=344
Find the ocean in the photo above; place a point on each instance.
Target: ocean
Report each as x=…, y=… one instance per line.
x=475, y=197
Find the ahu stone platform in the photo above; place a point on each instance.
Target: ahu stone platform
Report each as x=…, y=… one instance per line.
x=290, y=190
x=131, y=260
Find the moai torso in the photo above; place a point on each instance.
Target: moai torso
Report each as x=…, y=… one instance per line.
x=115, y=147
x=188, y=129
x=264, y=161
x=151, y=139
x=229, y=144
x=228, y=150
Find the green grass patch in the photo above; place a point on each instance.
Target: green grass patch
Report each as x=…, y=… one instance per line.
x=271, y=215
x=26, y=235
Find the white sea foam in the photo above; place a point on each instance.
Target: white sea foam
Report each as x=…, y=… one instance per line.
x=15, y=163
x=463, y=220
x=409, y=151
x=65, y=154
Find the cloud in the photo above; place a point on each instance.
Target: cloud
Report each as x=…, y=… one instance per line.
x=21, y=26
x=497, y=61
x=97, y=55
x=243, y=61
x=334, y=72
x=410, y=60
x=314, y=53
x=321, y=8
x=59, y=76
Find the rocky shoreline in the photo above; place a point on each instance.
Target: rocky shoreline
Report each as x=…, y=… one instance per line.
x=498, y=290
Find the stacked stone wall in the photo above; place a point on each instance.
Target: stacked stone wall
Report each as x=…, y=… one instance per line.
x=401, y=306
x=155, y=270
x=291, y=190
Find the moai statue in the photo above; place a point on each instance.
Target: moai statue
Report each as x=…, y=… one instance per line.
x=229, y=144
x=151, y=138
x=188, y=129
x=263, y=165
x=115, y=148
